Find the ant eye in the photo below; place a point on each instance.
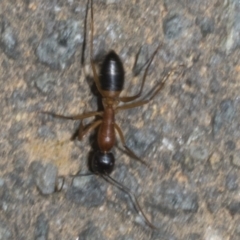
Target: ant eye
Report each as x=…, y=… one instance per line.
x=102, y=163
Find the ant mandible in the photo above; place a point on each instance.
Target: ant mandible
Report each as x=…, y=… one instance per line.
x=110, y=84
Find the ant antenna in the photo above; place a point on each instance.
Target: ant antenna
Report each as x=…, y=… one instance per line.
x=132, y=198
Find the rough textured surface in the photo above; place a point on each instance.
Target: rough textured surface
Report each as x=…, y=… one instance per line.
x=189, y=134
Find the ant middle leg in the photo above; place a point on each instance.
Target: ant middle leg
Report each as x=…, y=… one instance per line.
x=131, y=98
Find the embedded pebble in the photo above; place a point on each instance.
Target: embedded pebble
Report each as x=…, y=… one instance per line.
x=236, y=158
x=233, y=27
x=223, y=116
x=173, y=26
x=170, y=196
x=90, y=233
x=232, y=181
x=45, y=83
x=8, y=40
x=215, y=160
x=46, y=177
x=234, y=207
x=206, y=25
x=41, y=228
x=199, y=153
x=5, y=232
x=46, y=132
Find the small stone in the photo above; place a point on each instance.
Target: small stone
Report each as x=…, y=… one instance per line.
x=232, y=181
x=236, y=158
x=234, y=208
x=90, y=233
x=173, y=26
x=5, y=232
x=206, y=25
x=8, y=40
x=199, y=153
x=215, y=160
x=87, y=191
x=41, y=228
x=46, y=178
x=45, y=83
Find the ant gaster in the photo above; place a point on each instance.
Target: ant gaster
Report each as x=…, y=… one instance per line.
x=110, y=84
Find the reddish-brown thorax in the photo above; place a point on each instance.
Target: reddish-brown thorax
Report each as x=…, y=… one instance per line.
x=106, y=132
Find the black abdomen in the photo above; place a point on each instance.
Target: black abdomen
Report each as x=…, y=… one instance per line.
x=112, y=73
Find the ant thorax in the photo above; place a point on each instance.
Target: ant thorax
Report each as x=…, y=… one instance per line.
x=110, y=103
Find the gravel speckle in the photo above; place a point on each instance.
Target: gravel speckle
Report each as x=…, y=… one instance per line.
x=5, y=232
x=170, y=197
x=141, y=140
x=178, y=157
x=232, y=181
x=41, y=228
x=234, y=208
x=199, y=153
x=46, y=132
x=211, y=195
x=8, y=40
x=87, y=191
x=215, y=160
x=233, y=27
x=173, y=26
x=45, y=83
x=236, y=158
x=206, y=25
x=223, y=116
x=57, y=49
x=90, y=233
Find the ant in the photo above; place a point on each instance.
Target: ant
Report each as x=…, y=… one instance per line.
x=110, y=84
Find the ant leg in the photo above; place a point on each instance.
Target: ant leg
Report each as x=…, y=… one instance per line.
x=152, y=94
x=76, y=117
x=84, y=37
x=131, y=98
x=128, y=150
x=95, y=75
x=82, y=131
x=132, y=197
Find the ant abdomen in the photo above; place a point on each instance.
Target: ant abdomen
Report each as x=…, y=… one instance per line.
x=112, y=73
x=102, y=163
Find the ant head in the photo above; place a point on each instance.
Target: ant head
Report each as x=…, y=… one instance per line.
x=102, y=163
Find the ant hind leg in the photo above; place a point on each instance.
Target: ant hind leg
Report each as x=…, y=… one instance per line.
x=127, y=149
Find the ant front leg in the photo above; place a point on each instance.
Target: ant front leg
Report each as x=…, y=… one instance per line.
x=128, y=150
